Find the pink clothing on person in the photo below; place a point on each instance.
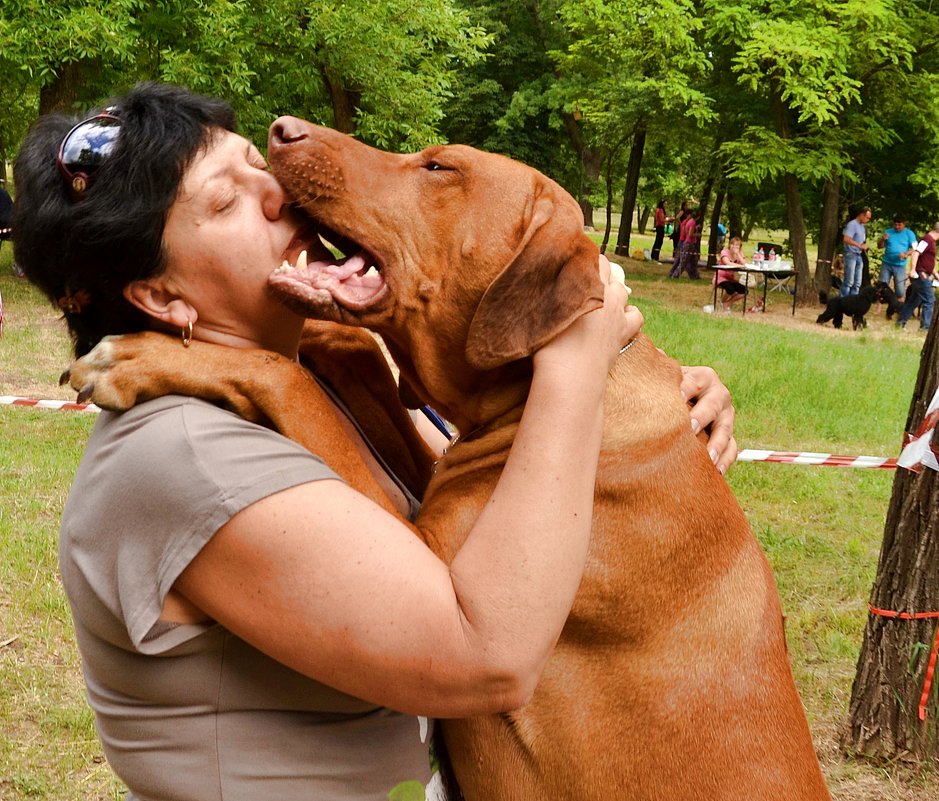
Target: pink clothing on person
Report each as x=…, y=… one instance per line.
x=727, y=257
x=724, y=275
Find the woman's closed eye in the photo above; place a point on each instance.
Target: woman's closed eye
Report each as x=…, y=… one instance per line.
x=225, y=202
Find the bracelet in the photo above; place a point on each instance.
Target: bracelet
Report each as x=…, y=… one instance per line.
x=628, y=345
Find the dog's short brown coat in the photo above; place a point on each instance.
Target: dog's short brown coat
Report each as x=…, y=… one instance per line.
x=671, y=679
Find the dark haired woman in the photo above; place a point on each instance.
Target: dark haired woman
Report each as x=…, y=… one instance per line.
x=247, y=621
x=660, y=221
x=676, y=229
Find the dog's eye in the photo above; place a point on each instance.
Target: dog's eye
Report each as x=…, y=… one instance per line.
x=436, y=166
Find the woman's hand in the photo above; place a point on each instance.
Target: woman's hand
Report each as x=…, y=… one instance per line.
x=601, y=333
x=712, y=409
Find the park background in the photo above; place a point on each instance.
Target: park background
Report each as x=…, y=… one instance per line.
x=776, y=118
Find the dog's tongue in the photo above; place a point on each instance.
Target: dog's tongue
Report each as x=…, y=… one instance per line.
x=321, y=283
x=343, y=269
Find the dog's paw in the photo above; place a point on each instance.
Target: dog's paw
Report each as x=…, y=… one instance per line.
x=108, y=375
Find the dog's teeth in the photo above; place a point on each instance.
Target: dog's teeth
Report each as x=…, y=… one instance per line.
x=284, y=267
x=371, y=271
x=301, y=260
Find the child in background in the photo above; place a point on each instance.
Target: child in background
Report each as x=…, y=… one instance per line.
x=726, y=280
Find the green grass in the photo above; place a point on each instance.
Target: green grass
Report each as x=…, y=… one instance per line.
x=821, y=527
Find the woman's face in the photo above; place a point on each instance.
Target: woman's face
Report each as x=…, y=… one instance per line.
x=228, y=229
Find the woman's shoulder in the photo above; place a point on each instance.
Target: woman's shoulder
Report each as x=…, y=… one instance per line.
x=182, y=443
x=154, y=485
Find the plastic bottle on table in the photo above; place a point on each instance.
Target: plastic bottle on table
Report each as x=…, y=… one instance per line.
x=772, y=254
x=758, y=257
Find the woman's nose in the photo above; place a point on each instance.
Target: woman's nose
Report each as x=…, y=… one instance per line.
x=273, y=198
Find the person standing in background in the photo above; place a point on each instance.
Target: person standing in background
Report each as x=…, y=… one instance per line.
x=897, y=243
x=855, y=243
x=676, y=227
x=686, y=257
x=661, y=220
x=921, y=291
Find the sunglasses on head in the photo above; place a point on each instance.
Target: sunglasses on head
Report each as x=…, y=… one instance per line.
x=86, y=147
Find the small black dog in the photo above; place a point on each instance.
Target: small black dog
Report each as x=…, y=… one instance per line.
x=888, y=297
x=855, y=306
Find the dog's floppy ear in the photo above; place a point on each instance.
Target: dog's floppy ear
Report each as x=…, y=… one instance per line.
x=550, y=281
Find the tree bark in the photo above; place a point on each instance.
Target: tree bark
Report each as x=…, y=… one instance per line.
x=644, y=213
x=734, y=217
x=828, y=235
x=794, y=215
x=884, y=720
x=706, y=190
x=631, y=191
x=65, y=91
x=343, y=102
x=714, y=236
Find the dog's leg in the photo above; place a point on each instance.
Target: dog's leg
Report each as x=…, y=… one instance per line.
x=261, y=386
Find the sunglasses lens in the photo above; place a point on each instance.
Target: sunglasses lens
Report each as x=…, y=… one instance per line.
x=89, y=144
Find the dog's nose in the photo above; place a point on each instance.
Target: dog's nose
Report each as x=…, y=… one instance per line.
x=284, y=131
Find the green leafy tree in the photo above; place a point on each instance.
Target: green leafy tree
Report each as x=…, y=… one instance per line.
x=384, y=70
x=628, y=66
x=827, y=73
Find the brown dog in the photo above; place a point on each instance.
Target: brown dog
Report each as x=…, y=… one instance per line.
x=671, y=679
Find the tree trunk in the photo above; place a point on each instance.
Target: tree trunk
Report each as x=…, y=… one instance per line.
x=591, y=159
x=644, y=213
x=705, y=200
x=609, y=206
x=884, y=719
x=734, y=217
x=343, y=102
x=794, y=215
x=611, y=156
x=631, y=191
x=828, y=235
x=714, y=236
x=65, y=91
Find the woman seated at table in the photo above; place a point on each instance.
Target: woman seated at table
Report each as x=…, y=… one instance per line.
x=726, y=280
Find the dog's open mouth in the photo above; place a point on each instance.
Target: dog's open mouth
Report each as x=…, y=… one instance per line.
x=311, y=279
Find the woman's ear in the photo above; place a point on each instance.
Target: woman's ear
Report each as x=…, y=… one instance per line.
x=154, y=300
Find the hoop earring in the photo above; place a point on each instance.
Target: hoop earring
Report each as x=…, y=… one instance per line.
x=186, y=334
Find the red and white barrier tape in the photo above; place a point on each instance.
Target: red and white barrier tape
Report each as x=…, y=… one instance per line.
x=68, y=406
x=908, y=458
x=816, y=459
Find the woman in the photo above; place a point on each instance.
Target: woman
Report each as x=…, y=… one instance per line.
x=686, y=257
x=661, y=220
x=676, y=228
x=247, y=621
x=731, y=289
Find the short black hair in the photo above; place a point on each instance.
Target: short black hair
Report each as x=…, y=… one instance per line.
x=90, y=248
